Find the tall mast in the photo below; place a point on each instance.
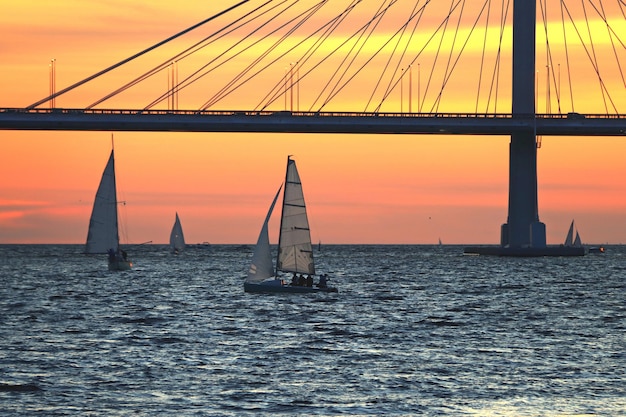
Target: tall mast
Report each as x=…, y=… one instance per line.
x=282, y=213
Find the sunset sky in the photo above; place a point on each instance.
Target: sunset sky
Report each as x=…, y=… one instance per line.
x=359, y=188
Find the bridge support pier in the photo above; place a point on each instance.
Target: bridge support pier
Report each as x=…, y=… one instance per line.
x=523, y=228
x=523, y=234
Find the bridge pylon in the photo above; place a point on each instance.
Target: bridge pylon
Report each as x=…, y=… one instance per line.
x=523, y=234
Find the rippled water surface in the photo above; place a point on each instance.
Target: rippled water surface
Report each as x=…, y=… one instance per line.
x=414, y=330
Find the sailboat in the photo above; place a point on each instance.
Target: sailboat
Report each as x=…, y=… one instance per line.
x=295, y=253
x=103, y=235
x=177, y=239
x=576, y=242
x=570, y=241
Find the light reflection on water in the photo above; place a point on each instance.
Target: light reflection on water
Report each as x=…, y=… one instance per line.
x=414, y=330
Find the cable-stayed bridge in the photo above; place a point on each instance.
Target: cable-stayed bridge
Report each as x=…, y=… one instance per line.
x=427, y=67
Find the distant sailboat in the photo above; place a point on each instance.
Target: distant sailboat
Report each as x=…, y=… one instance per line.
x=570, y=241
x=103, y=235
x=295, y=253
x=177, y=239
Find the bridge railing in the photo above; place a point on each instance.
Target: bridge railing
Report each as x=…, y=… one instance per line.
x=284, y=113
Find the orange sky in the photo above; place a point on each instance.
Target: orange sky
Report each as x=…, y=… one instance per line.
x=359, y=188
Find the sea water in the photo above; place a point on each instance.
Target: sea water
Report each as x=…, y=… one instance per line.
x=414, y=330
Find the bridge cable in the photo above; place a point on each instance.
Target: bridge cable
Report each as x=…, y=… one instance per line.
x=594, y=59
x=495, y=77
x=595, y=67
x=280, y=87
x=208, y=40
x=197, y=75
x=358, y=32
x=225, y=92
x=304, y=16
x=432, y=36
x=309, y=54
x=376, y=18
x=549, y=64
x=443, y=25
x=612, y=35
x=448, y=71
x=337, y=21
x=336, y=89
x=446, y=21
x=567, y=61
x=193, y=77
x=391, y=85
x=367, y=30
x=380, y=49
x=325, y=36
x=482, y=57
x=112, y=67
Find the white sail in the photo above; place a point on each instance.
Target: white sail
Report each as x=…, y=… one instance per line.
x=577, y=241
x=295, y=253
x=569, y=239
x=261, y=267
x=177, y=239
x=103, y=234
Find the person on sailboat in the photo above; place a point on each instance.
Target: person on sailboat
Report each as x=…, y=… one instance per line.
x=111, y=253
x=323, y=282
x=309, y=281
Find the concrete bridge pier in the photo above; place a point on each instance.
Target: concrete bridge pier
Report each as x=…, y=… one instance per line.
x=523, y=234
x=523, y=228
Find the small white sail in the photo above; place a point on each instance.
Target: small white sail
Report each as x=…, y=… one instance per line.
x=261, y=266
x=177, y=239
x=103, y=234
x=295, y=253
x=577, y=241
x=569, y=239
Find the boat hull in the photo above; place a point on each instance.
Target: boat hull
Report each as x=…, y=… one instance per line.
x=120, y=265
x=271, y=288
x=526, y=251
x=596, y=249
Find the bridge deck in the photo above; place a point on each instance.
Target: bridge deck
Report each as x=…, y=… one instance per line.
x=571, y=124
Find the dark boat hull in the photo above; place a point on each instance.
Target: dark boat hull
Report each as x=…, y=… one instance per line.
x=274, y=288
x=525, y=252
x=120, y=265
